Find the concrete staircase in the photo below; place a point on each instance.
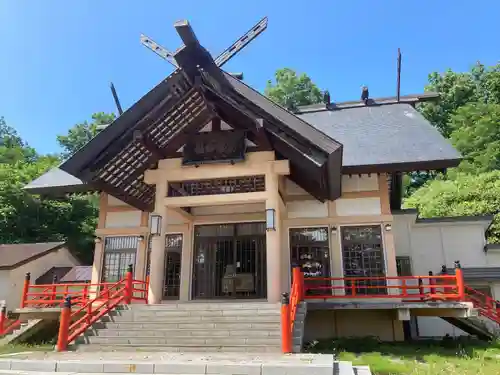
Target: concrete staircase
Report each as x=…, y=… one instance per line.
x=25, y=330
x=188, y=327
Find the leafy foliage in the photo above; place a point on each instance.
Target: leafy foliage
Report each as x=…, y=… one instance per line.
x=292, y=91
x=80, y=134
x=481, y=84
x=12, y=147
x=467, y=113
x=475, y=132
x=26, y=218
x=465, y=194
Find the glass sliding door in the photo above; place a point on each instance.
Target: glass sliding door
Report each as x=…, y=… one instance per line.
x=363, y=257
x=310, y=250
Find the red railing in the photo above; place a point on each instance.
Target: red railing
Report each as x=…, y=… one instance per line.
x=54, y=295
x=89, y=301
x=73, y=323
x=486, y=306
x=405, y=288
x=7, y=325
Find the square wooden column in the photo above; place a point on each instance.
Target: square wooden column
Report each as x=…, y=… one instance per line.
x=273, y=239
x=157, y=261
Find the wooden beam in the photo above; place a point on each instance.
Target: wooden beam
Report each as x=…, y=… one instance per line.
x=383, y=186
x=122, y=231
x=215, y=171
x=186, y=215
x=121, y=208
x=186, y=32
x=103, y=210
x=213, y=200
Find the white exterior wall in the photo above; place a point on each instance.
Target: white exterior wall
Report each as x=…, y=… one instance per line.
x=433, y=244
x=4, y=286
x=37, y=267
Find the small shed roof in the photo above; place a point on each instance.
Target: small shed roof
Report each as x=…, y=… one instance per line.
x=13, y=255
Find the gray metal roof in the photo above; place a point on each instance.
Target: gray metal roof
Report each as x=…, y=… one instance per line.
x=56, y=181
x=384, y=134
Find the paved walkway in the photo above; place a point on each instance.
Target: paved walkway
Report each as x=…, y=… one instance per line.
x=169, y=363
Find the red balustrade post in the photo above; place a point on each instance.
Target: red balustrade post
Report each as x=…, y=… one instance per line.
x=460, y=281
x=64, y=321
x=432, y=282
x=3, y=318
x=26, y=287
x=296, y=279
x=129, y=285
x=286, y=336
x=146, y=287
x=421, y=288
x=54, y=290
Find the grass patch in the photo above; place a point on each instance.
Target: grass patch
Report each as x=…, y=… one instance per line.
x=448, y=356
x=6, y=349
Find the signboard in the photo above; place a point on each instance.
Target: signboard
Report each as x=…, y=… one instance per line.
x=215, y=147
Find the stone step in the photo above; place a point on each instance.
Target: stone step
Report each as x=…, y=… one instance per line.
x=181, y=340
x=231, y=325
x=134, y=332
x=203, y=306
x=173, y=313
x=193, y=319
x=184, y=348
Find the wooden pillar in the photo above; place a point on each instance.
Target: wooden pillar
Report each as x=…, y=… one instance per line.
x=390, y=253
x=186, y=262
x=99, y=244
x=157, y=262
x=273, y=239
x=142, y=251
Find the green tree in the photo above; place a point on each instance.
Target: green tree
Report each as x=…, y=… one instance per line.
x=292, y=91
x=80, y=134
x=480, y=84
x=12, y=147
x=465, y=194
x=27, y=218
x=475, y=132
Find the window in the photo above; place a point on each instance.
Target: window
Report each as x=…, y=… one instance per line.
x=119, y=252
x=403, y=265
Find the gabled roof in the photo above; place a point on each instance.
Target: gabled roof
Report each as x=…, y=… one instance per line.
x=385, y=138
x=14, y=255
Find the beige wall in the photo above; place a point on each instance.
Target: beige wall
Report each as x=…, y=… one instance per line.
x=364, y=202
x=325, y=324
x=37, y=267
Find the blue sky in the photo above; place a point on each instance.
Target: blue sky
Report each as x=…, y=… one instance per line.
x=58, y=56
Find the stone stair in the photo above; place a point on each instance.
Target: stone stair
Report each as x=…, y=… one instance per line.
x=25, y=330
x=188, y=327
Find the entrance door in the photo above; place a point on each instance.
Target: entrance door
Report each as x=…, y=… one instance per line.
x=173, y=257
x=309, y=250
x=229, y=261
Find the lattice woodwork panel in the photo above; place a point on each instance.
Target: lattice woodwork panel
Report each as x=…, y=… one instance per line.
x=124, y=173
x=217, y=186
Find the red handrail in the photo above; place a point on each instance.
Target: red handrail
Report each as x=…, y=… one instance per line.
x=74, y=323
x=486, y=306
x=7, y=325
